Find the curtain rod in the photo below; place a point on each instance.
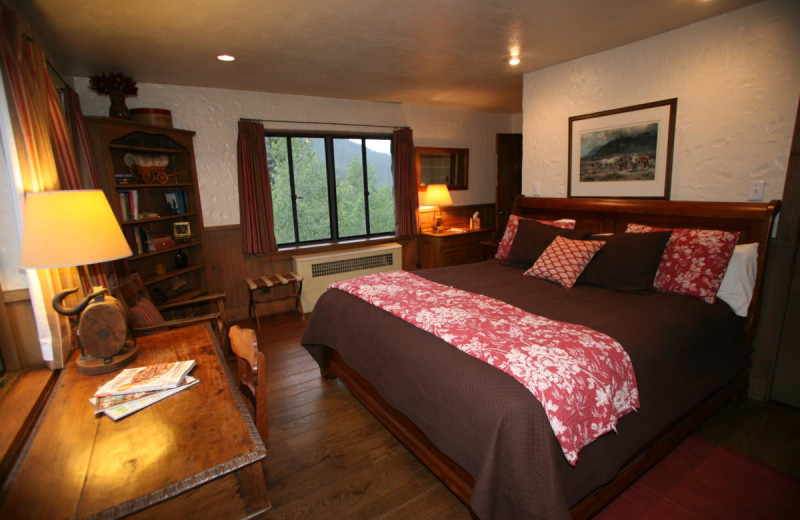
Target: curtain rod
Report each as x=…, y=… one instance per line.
x=317, y=123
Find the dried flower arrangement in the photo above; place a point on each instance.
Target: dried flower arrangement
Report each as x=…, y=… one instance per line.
x=113, y=82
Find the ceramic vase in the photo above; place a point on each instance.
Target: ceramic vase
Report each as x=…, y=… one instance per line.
x=118, y=108
x=181, y=260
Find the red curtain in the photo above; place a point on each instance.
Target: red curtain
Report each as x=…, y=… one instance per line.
x=255, y=195
x=406, y=201
x=84, y=176
x=39, y=156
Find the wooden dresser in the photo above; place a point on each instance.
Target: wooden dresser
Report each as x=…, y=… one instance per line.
x=451, y=247
x=196, y=454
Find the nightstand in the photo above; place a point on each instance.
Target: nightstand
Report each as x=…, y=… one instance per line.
x=488, y=249
x=451, y=247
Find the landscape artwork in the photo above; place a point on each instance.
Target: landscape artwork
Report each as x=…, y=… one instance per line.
x=624, y=152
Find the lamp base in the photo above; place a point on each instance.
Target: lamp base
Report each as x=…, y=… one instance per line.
x=92, y=366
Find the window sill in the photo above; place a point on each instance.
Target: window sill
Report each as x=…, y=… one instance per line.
x=288, y=252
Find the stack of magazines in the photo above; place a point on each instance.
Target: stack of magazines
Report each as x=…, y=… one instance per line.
x=137, y=388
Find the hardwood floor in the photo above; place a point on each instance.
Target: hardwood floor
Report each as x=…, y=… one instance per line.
x=329, y=458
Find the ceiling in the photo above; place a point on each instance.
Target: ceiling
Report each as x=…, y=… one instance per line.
x=445, y=53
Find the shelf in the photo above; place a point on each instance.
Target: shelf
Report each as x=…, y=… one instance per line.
x=123, y=187
x=148, y=149
x=150, y=254
x=171, y=274
x=157, y=219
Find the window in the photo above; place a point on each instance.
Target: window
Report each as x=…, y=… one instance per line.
x=330, y=187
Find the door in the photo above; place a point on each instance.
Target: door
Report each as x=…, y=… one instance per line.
x=509, y=178
x=786, y=246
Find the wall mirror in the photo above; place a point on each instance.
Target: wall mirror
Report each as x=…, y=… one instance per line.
x=448, y=166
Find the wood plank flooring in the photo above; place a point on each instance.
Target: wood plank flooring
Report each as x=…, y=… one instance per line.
x=329, y=458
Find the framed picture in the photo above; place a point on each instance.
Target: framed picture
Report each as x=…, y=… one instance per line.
x=181, y=230
x=176, y=202
x=626, y=152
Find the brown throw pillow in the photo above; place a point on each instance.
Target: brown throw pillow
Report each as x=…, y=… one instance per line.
x=628, y=262
x=533, y=238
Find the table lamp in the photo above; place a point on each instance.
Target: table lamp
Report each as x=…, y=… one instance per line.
x=436, y=195
x=72, y=228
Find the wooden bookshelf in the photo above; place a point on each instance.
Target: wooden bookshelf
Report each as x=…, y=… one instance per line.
x=143, y=209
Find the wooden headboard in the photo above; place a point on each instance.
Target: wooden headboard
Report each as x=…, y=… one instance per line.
x=754, y=220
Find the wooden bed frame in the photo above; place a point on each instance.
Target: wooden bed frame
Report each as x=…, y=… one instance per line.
x=753, y=220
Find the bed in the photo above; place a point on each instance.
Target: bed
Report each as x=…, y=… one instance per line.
x=482, y=432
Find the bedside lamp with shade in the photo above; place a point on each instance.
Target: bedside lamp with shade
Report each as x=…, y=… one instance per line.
x=436, y=195
x=72, y=228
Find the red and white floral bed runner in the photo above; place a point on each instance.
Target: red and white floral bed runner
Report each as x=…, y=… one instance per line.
x=584, y=379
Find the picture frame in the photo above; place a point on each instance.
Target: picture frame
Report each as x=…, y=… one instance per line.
x=176, y=202
x=181, y=230
x=623, y=153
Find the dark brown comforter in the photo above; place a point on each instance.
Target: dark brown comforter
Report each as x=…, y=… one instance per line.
x=682, y=351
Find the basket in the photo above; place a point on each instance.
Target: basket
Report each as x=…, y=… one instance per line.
x=152, y=116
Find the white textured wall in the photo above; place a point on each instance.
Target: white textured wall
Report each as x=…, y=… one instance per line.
x=737, y=80
x=11, y=276
x=214, y=114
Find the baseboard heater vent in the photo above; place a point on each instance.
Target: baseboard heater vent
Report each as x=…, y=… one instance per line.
x=321, y=270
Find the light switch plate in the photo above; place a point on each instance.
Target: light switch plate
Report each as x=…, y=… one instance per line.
x=756, y=191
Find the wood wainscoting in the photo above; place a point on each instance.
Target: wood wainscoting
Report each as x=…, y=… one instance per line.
x=229, y=267
x=19, y=340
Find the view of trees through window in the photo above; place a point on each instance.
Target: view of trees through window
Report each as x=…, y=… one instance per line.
x=330, y=187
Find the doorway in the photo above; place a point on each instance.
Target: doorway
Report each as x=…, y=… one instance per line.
x=508, y=148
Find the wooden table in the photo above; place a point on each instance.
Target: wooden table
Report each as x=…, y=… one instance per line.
x=194, y=454
x=451, y=247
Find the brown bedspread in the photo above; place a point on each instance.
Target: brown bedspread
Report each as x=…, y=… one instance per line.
x=682, y=351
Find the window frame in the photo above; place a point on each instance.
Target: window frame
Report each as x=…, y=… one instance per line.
x=330, y=169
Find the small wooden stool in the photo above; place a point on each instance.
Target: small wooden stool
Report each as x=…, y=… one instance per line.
x=264, y=285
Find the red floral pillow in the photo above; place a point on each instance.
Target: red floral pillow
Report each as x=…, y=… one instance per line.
x=511, y=231
x=564, y=260
x=694, y=261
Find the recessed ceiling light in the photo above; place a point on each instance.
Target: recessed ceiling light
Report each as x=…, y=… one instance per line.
x=225, y=57
x=513, y=60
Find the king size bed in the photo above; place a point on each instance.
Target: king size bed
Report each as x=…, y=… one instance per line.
x=483, y=429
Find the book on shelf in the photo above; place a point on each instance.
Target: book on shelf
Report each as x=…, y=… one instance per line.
x=139, y=239
x=124, y=178
x=129, y=204
x=161, y=376
x=118, y=406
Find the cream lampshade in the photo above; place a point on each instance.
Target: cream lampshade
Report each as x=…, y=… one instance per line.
x=78, y=227
x=436, y=195
x=67, y=228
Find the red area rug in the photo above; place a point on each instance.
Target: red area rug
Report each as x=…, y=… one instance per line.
x=699, y=480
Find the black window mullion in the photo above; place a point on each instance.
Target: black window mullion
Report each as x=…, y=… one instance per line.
x=330, y=169
x=292, y=189
x=366, y=183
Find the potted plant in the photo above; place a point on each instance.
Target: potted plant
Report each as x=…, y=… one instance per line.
x=116, y=86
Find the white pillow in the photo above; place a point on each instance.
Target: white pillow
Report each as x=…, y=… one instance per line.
x=740, y=278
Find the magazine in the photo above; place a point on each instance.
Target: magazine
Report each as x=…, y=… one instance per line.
x=127, y=407
x=109, y=401
x=146, y=379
